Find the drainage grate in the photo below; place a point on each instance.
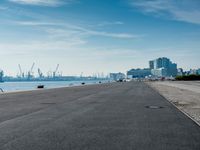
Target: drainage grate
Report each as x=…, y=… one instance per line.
x=154, y=107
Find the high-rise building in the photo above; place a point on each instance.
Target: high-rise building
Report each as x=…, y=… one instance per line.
x=159, y=63
x=151, y=64
x=172, y=70
x=163, y=67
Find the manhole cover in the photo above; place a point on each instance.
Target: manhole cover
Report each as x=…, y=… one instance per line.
x=154, y=107
x=48, y=103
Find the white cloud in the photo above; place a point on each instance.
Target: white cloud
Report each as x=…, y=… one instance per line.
x=191, y=17
x=3, y=8
x=181, y=10
x=112, y=35
x=32, y=47
x=42, y=2
x=152, y=5
x=80, y=31
x=107, y=23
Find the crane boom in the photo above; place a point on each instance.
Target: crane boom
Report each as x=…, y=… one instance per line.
x=20, y=69
x=32, y=67
x=54, y=72
x=39, y=72
x=56, y=68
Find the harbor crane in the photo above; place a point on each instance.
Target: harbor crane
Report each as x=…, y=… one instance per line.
x=40, y=73
x=20, y=70
x=32, y=67
x=54, y=72
x=30, y=72
x=81, y=75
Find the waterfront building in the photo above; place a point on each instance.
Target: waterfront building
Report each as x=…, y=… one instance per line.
x=138, y=73
x=117, y=76
x=163, y=67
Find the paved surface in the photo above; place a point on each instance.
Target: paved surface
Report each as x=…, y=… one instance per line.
x=97, y=117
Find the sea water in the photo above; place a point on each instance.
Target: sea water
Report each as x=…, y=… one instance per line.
x=25, y=86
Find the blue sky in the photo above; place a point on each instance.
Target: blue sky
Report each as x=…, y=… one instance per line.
x=93, y=36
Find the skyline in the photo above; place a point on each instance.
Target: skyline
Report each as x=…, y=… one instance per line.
x=98, y=36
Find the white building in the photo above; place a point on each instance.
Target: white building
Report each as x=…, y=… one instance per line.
x=117, y=76
x=160, y=72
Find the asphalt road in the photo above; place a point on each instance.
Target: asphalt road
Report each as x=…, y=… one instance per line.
x=96, y=117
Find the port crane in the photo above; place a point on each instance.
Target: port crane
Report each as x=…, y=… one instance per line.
x=81, y=75
x=20, y=70
x=40, y=73
x=30, y=72
x=54, y=72
x=32, y=67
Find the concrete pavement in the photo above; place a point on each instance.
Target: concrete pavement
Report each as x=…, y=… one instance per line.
x=117, y=116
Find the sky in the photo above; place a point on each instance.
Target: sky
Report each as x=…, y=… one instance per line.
x=94, y=36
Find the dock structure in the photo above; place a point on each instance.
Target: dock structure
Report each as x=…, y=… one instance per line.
x=112, y=116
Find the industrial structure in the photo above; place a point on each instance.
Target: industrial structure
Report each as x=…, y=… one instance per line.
x=55, y=75
x=29, y=75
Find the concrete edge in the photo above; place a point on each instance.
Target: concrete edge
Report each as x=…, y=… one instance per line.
x=185, y=113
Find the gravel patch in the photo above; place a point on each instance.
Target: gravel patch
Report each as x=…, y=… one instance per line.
x=184, y=94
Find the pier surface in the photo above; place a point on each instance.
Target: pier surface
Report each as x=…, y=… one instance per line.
x=115, y=116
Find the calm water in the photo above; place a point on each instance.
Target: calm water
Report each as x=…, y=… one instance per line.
x=24, y=86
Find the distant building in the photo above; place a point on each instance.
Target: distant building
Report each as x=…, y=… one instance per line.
x=172, y=70
x=117, y=76
x=151, y=64
x=163, y=67
x=192, y=72
x=1, y=75
x=198, y=71
x=160, y=72
x=138, y=73
x=180, y=72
